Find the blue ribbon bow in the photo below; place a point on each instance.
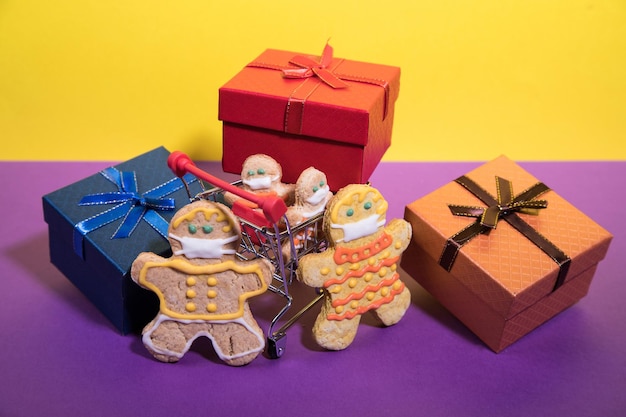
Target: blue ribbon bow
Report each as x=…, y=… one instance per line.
x=131, y=205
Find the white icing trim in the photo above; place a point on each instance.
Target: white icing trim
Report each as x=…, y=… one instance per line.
x=147, y=341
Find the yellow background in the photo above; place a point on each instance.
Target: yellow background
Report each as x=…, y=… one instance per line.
x=110, y=79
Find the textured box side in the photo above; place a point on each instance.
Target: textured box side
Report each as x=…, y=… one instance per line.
x=342, y=163
x=128, y=307
x=496, y=331
x=547, y=308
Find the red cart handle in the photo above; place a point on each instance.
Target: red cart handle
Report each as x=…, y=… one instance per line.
x=273, y=207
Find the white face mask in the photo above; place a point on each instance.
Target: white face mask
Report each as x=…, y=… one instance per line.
x=359, y=229
x=259, y=183
x=193, y=247
x=318, y=196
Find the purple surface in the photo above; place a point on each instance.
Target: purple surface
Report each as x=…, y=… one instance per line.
x=61, y=357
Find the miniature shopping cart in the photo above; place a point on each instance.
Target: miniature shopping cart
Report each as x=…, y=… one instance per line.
x=266, y=233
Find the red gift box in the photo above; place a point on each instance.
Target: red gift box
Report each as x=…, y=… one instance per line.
x=331, y=113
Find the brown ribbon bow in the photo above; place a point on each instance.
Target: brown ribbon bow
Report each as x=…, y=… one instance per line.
x=505, y=204
x=503, y=207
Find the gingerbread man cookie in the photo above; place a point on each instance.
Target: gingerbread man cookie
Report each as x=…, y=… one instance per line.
x=357, y=273
x=203, y=288
x=261, y=174
x=311, y=198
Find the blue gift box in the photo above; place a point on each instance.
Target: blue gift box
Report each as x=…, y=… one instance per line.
x=99, y=225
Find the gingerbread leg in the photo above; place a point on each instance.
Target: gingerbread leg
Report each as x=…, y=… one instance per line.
x=334, y=334
x=238, y=342
x=392, y=312
x=165, y=339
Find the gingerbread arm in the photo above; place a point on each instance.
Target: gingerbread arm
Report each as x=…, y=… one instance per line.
x=294, y=216
x=256, y=281
x=140, y=261
x=230, y=198
x=287, y=192
x=402, y=229
x=311, y=267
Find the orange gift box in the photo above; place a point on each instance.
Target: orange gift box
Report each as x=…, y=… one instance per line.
x=331, y=113
x=501, y=251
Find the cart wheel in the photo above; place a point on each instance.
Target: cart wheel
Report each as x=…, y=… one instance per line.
x=276, y=345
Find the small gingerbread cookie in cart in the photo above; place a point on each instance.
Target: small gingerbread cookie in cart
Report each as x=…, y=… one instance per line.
x=357, y=273
x=203, y=288
x=262, y=175
x=311, y=198
x=312, y=195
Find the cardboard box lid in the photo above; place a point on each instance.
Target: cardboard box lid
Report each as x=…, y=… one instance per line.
x=505, y=268
x=260, y=96
x=62, y=212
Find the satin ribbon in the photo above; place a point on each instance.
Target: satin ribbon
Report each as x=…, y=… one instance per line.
x=309, y=68
x=131, y=205
x=504, y=206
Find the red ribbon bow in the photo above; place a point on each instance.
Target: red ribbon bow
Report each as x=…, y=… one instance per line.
x=310, y=68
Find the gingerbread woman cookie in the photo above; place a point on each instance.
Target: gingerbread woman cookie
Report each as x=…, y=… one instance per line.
x=261, y=174
x=357, y=273
x=311, y=198
x=203, y=288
